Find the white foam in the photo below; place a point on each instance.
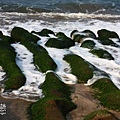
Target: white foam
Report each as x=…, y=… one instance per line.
x=63, y=68
x=109, y=66
x=80, y=23
x=2, y=74
x=34, y=78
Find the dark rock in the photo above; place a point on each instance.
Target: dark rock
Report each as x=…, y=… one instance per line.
x=61, y=42
x=6, y=39
x=102, y=54
x=81, y=70
x=106, y=41
x=79, y=36
x=74, y=31
x=19, y=34
x=88, y=44
x=89, y=33
x=44, y=32
x=107, y=34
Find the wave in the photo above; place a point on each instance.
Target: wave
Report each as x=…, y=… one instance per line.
x=51, y=16
x=90, y=8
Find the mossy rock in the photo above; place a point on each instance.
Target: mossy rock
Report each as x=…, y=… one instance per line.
x=106, y=41
x=107, y=93
x=102, y=54
x=89, y=34
x=53, y=42
x=61, y=42
x=55, y=88
x=80, y=68
x=88, y=44
x=77, y=36
x=107, y=34
x=73, y=32
x=41, y=57
x=80, y=36
x=15, y=78
x=63, y=37
x=19, y=34
x=100, y=115
x=53, y=83
x=44, y=32
x=6, y=38
x=15, y=82
x=57, y=94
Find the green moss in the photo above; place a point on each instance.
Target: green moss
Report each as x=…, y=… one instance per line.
x=96, y=113
x=41, y=57
x=19, y=34
x=15, y=82
x=106, y=41
x=53, y=83
x=7, y=60
x=88, y=44
x=102, y=54
x=44, y=32
x=107, y=93
x=79, y=67
x=6, y=39
x=36, y=110
x=107, y=34
x=54, y=90
x=61, y=42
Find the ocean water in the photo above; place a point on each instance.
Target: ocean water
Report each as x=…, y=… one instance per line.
x=69, y=6
x=61, y=16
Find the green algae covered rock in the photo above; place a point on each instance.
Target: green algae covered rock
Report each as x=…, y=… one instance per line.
x=107, y=34
x=102, y=54
x=15, y=79
x=19, y=34
x=6, y=38
x=80, y=36
x=61, y=42
x=57, y=96
x=44, y=32
x=88, y=44
x=80, y=68
x=107, y=93
x=106, y=41
x=41, y=56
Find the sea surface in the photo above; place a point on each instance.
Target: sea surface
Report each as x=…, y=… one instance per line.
x=65, y=6
x=62, y=16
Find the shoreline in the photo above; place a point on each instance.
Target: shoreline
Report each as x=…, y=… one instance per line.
x=16, y=109
x=81, y=95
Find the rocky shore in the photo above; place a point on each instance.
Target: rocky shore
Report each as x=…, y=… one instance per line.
x=16, y=109
x=81, y=95
x=60, y=97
